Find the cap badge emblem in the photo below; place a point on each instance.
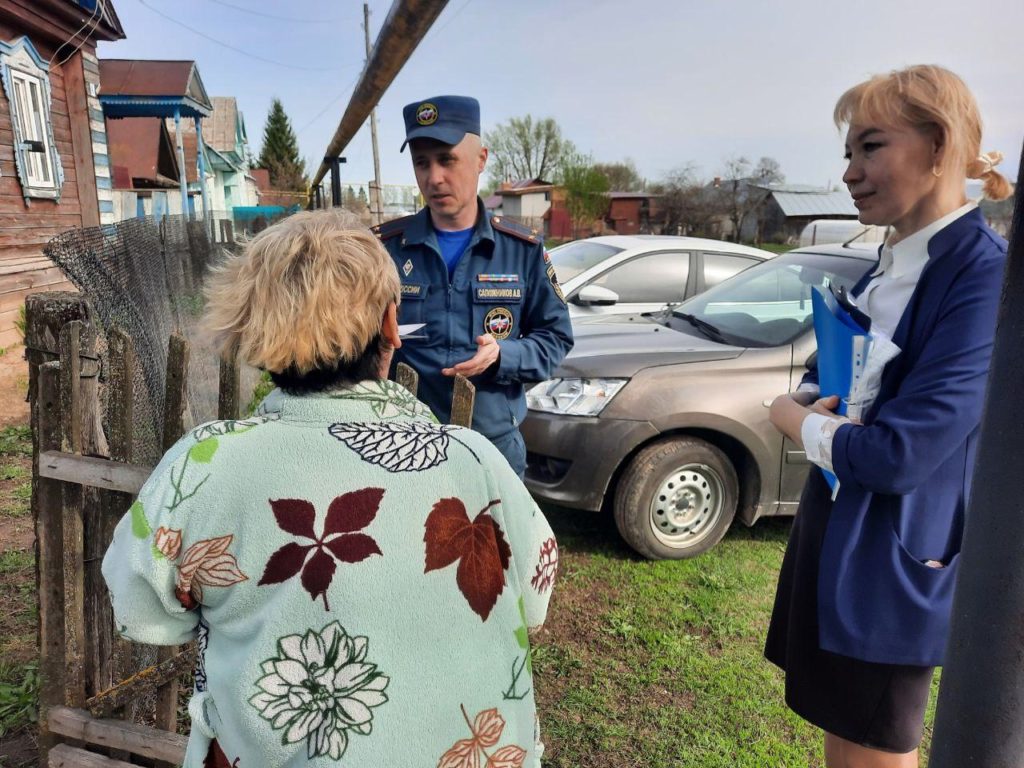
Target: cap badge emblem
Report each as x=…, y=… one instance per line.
x=426, y=114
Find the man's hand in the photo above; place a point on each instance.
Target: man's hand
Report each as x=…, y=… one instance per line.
x=487, y=353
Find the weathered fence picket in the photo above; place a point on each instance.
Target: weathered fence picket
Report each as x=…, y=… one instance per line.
x=83, y=481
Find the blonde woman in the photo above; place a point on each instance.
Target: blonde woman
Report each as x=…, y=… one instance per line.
x=862, y=611
x=360, y=578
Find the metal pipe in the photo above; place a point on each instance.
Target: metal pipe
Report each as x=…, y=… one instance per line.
x=980, y=718
x=405, y=27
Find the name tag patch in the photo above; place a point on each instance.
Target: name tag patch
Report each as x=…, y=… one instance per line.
x=413, y=290
x=498, y=278
x=485, y=295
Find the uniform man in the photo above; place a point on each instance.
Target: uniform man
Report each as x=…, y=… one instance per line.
x=484, y=286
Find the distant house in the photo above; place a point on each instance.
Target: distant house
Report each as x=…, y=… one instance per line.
x=788, y=208
x=158, y=90
x=633, y=213
x=145, y=167
x=226, y=142
x=527, y=201
x=53, y=146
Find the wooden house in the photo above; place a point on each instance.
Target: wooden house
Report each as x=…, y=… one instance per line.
x=54, y=174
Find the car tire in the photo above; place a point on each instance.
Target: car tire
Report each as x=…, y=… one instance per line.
x=676, y=499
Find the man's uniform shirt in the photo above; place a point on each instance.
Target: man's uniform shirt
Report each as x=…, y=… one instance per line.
x=503, y=285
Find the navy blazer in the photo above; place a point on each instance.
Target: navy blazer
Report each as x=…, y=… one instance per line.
x=905, y=474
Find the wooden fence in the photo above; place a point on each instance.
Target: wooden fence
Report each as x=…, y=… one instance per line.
x=83, y=481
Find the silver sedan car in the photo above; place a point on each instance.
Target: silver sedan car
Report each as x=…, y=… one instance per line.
x=663, y=417
x=625, y=274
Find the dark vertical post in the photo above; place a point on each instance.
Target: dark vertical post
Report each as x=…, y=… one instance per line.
x=73, y=528
x=229, y=393
x=980, y=719
x=335, y=164
x=335, y=181
x=175, y=400
x=47, y=508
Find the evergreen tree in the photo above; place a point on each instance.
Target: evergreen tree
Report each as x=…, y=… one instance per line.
x=280, y=153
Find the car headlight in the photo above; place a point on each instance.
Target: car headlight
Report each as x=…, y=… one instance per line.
x=573, y=397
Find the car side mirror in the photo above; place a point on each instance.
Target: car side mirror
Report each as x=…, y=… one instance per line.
x=595, y=295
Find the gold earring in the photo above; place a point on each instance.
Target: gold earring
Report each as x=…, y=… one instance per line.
x=936, y=173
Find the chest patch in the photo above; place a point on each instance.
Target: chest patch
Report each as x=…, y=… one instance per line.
x=498, y=322
x=495, y=294
x=412, y=291
x=407, y=267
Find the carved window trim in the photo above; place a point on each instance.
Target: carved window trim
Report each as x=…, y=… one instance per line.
x=26, y=82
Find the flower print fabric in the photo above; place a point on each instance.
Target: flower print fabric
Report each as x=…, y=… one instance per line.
x=362, y=580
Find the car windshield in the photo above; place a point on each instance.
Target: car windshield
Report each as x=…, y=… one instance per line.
x=769, y=304
x=578, y=256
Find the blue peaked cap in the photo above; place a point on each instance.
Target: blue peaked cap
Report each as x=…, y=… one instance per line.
x=443, y=118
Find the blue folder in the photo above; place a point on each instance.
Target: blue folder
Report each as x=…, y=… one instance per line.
x=843, y=343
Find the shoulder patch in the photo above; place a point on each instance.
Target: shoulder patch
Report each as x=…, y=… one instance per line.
x=516, y=229
x=392, y=228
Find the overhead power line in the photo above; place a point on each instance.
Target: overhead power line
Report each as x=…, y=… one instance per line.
x=231, y=47
x=250, y=11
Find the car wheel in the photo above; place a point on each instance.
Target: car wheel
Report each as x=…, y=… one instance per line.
x=676, y=499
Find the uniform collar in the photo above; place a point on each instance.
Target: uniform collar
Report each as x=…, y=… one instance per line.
x=910, y=255
x=420, y=230
x=370, y=400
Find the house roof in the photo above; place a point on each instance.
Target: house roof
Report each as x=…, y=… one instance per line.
x=816, y=203
x=805, y=200
x=139, y=87
x=219, y=128
x=134, y=145
x=493, y=201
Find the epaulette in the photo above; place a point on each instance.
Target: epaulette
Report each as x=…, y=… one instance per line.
x=515, y=229
x=392, y=228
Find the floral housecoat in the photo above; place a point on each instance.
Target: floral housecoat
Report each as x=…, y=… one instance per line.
x=360, y=580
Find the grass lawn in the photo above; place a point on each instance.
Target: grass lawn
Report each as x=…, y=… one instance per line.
x=639, y=664
x=659, y=663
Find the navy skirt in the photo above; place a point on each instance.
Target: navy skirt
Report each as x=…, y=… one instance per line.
x=880, y=706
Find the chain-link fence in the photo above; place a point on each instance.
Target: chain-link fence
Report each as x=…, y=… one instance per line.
x=145, y=276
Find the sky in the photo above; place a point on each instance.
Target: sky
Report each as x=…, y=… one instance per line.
x=663, y=83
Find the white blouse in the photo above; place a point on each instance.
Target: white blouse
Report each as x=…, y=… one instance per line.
x=884, y=300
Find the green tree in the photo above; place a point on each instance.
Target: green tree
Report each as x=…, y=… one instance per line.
x=622, y=177
x=586, y=189
x=525, y=148
x=280, y=152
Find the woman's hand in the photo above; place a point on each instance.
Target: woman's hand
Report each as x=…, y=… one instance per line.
x=787, y=412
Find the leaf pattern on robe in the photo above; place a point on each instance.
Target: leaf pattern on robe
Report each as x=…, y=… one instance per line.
x=397, y=447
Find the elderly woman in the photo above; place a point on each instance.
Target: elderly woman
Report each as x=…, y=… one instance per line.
x=360, y=579
x=862, y=612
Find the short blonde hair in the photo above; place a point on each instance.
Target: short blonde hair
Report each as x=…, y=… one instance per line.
x=927, y=98
x=307, y=293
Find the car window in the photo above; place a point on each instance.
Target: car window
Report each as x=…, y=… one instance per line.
x=573, y=258
x=654, y=278
x=722, y=266
x=770, y=303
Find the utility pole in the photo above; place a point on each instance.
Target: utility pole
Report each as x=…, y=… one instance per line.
x=375, y=202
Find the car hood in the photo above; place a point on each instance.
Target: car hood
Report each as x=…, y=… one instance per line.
x=621, y=345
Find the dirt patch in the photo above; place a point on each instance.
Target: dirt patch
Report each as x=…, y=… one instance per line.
x=19, y=751
x=13, y=386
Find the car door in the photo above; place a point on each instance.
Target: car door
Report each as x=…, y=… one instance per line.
x=648, y=282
